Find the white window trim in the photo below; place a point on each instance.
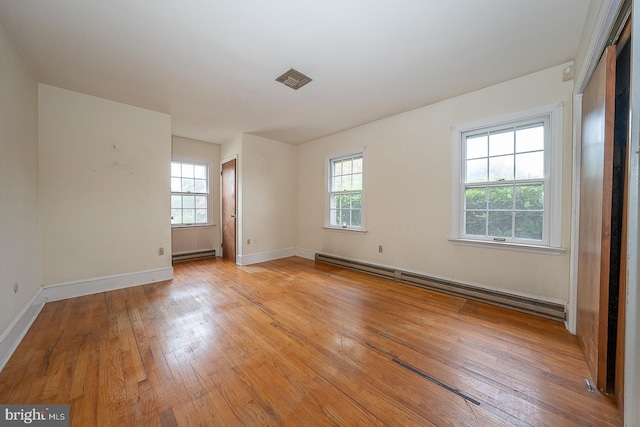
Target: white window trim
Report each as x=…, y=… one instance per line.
x=553, y=200
x=209, y=222
x=327, y=194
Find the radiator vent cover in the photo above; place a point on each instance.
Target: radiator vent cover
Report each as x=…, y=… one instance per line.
x=193, y=255
x=294, y=79
x=515, y=302
x=376, y=270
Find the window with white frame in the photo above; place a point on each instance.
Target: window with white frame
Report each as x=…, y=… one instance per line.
x=510, y=179
x=189, y=193
x=345, y=192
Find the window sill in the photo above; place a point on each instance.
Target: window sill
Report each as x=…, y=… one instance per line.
x=348, y=230
x=181, y=226
x=518, y=247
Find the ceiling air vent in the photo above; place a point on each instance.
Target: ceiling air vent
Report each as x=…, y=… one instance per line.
x=294, y=79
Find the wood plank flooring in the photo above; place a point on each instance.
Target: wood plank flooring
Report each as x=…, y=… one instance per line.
x=292, y=342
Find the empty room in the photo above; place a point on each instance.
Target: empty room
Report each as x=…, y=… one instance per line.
x=319, y=213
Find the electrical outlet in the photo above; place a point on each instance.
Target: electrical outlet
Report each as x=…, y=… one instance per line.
x=248, y=241
x=15, y=287
x=160, y=251
x=255, y=241
x=380, y=248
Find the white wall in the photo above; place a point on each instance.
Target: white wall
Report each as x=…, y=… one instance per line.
x=19, y=223
x=191, y=149
x=104, y=187
x=408, y=182
x=268, y=195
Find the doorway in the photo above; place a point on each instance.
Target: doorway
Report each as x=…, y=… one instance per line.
x=228, y=214
x=602, y=221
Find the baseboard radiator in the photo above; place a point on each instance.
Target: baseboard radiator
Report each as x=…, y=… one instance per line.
x=193, y=255
x=189, y=243
x=515, y=302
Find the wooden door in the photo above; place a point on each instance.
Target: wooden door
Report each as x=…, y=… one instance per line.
x=229, y=210
x=621, y=194
x=594, y=247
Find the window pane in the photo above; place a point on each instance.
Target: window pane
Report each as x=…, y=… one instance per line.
x=529, y=225
x=356, y=218
x=188, y=201
x=505, y=179
x=337, y=167
x=189, y=178
x=500, y=224
x=501, y=143
x=333, y=201
x=176, y=169
x=200, y=186
x=530, y=165
x=476, y=170
x=530, y=197
x=357, y=165
x=346, y=182
x=176, y=216
x=187, y=170
x=200, y=172
x=356, y=201
x=501, y=168
x=501, y=197
x=344, y=217
x=357, y=181
x=476, y=223
x=335, y=217
x=201, y=202
x=337, y=184
x=346, y=166
x=201, y=216
x=530, y=139
x=345, y=201
x=476, y=198
x=188, y=216
x=176, y=201
x=187, y=185
x=176, y=185
x=477, y=146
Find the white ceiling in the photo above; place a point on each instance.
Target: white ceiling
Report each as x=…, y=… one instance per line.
x=212, y=64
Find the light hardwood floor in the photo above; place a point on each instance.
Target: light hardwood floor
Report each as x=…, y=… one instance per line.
x=293, y=342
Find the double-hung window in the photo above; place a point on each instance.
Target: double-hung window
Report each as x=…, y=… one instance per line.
x=509, y=175
x=345, y=192
x=189, y=193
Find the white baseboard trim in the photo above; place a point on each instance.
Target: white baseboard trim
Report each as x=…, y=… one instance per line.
x=305, y=253
x=15, y=332
x=80, y=288
x=264, y=256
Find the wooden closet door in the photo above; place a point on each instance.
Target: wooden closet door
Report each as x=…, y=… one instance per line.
x=229, y=210
x=594, y=247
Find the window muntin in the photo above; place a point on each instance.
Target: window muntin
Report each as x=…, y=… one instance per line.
x=505, y=180
x=345, y=191
x=189, y=193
